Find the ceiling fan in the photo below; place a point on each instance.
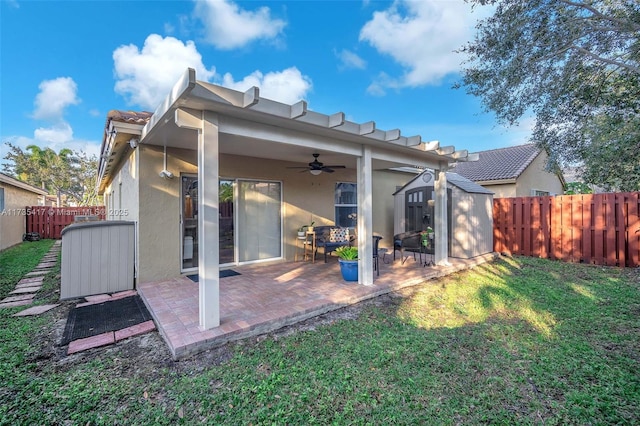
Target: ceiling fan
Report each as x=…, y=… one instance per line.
x=316, y=167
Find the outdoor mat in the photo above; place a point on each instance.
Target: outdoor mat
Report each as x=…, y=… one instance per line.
x=91, y=320
x=223, y=274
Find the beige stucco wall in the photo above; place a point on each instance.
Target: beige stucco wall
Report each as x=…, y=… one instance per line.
x=535, y=177
x=305, y=198
x=504, y=190
x=13, y=222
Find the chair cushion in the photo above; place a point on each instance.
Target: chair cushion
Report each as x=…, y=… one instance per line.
x=338, y=235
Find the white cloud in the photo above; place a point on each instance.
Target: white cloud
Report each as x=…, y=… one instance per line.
x=420, y=36
x=229, y=27
x=144, y=77
x=54, y=96
x=287, y=86
x=60, y=132
x=350, y=59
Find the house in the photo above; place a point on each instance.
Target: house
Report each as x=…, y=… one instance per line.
x=15, y=198
x=469, y=213
x=515, y=171
x=217, y=177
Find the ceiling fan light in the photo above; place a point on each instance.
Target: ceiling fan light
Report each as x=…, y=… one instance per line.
x=315, y=172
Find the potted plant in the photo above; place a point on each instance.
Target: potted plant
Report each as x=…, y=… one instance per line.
x=348, y=259
x=303, y=230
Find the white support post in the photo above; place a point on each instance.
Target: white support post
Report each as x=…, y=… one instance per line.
x=208, y=232
x=441, y=255
x=365, y=218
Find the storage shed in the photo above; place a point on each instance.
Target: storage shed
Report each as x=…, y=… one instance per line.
x=469, y=213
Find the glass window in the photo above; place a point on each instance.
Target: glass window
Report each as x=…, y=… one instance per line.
x=1, y=199
x=346, y=204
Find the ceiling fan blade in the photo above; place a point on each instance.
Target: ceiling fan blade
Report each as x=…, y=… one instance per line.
x=327, y=170
x=335, y=167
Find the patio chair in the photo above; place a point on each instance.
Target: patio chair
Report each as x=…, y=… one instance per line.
x=407, y=241
x=330, y=238
x=376, y=258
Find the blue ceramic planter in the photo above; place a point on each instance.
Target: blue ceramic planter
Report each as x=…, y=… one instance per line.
x=349, y=269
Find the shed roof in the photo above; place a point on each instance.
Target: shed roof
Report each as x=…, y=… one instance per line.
x=499, y=164
x=454, y=179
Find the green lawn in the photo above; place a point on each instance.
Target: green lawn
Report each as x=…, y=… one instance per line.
x=522, y=340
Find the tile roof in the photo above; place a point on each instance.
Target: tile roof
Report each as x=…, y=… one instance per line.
x=499, y=164
x=134, y=117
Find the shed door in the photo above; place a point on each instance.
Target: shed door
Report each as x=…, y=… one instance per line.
x=417, y=212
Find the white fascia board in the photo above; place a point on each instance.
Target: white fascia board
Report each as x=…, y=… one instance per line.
x=128, y=128
x=495, y=182
x=253, y=130
x=180, y=90
x=405, y=158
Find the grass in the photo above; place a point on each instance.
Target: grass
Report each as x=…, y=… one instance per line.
x=522, y=340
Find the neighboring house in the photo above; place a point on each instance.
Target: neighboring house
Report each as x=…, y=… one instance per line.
x=220, y=177
x=515, y=171
x=15, y=197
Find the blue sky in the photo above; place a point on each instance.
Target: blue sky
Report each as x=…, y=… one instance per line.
x=64, y=65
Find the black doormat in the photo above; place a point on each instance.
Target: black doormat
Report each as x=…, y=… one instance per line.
x=91, y=320
x=223, y=274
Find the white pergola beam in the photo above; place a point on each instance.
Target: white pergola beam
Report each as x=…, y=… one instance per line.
x=392, y=135
x=446, y=150
x=367, y=128
x=459, y=155
x=298, y=109
x=336, y=119
x=251, y=97
x=414, y=140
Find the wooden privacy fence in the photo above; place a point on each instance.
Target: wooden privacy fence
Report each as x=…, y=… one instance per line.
x=602, y=229
x=49, y=221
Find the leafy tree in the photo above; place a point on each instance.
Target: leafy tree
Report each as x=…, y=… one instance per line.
x=63, y=173
x=578, y=188
x=573, y=64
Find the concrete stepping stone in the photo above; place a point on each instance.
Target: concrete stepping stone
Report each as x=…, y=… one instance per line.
x=97, y=298
x=26, y=296
x=14, y=304
x=36, y=310
x=36, y=273
x=123, y=294
x=26, y=290
x=135, y=330
x=32, y=280
x=25, y=285
x=44, y=265
x=80, y=345
x=94, y=300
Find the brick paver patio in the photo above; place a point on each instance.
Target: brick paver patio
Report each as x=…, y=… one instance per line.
x=267, y=297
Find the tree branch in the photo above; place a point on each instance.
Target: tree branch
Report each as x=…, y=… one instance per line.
x=633, y=26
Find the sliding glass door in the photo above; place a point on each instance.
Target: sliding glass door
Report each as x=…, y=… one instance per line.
x=250, y=221
x=227, y=222
x=259, y=231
